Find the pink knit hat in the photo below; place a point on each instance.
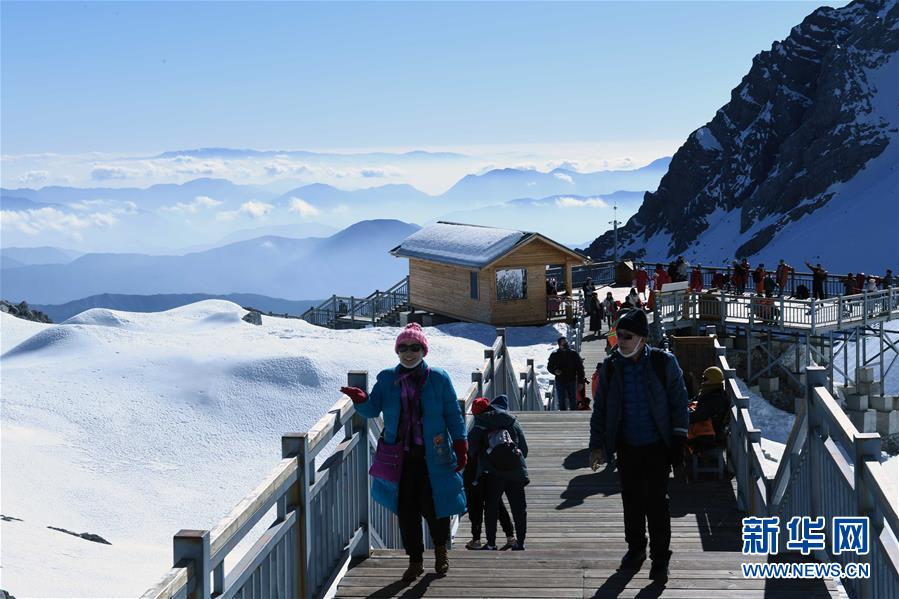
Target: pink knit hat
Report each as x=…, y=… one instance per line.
x=412, y=334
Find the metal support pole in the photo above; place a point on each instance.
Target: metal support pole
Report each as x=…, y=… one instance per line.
x=882, y=375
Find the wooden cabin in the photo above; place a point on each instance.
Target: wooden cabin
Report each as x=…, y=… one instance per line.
x=489, y=275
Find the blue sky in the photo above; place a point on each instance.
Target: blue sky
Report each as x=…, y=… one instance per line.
x=141, y=77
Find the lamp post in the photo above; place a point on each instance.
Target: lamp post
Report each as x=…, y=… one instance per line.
x=614, y=223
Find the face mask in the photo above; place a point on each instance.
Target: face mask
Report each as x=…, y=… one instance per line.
x=633, y=353
x=417, y=362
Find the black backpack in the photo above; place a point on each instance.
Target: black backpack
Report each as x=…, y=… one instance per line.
x=802, y=292
x=502, y=451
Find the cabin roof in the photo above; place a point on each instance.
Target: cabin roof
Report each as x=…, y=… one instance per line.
x=469, y=246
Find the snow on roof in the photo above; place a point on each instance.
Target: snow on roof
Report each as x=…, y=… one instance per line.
x=463, y=245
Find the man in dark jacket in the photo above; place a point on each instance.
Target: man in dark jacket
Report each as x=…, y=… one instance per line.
x=819, y=277
x=501, y=478
x=568, y=368
x=644, y=421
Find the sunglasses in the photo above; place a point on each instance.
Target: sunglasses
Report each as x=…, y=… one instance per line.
x=625, y=336
x=415, y=347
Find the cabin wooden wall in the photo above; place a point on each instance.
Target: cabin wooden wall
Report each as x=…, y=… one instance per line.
x=534, y=256
x=446, y=290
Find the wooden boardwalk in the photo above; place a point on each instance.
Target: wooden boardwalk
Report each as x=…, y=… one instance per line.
x=576, y=538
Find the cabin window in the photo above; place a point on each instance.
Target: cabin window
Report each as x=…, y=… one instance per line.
x=512, y=284
x=473, y=283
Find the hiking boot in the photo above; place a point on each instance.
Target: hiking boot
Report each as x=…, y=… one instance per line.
x=441, y=560
x=509, y=542
x=414, y=570
x=474, y=544
x=633, y=559
x=518, y=546
x=659, y=570
x=488, y=547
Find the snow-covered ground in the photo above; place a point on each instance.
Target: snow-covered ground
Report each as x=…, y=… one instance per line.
x=133, y=426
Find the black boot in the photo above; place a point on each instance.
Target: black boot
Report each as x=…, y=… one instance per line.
x=633, y=559
x=659, y=570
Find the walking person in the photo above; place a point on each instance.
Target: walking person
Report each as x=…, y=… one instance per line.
x=501, y=449
x=568, y=368
x=475, y=485
x=819, y=277
x=640, y=415
x=425, y=447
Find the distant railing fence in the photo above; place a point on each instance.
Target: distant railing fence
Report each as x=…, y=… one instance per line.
x=361, y=310
x=324, y=515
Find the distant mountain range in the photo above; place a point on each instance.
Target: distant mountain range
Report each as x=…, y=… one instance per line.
x=501, y=185
x=200, y=213
x=354, y=261
x=801, y=163
x=166, y=301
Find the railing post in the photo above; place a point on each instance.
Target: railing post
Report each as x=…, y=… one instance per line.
x=814, y=314
x=815, y=376
x=491, y=373
x=867, y=449
x=723, y=308
x=477, y=377
x=359, y=378
x=352, y=309
x=193, y=546
x=296, y=444
x=865, y=306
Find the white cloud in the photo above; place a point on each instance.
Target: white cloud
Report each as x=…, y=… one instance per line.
x=106, y=173
x=341, y=209
x=281, y=167
x=253, y=209
x=32, y=177
x=199, y=203
x=34, y=222
x=564, y=177
x=304, y=208
x=113, y=206
x=570, y=202
x=366, y=172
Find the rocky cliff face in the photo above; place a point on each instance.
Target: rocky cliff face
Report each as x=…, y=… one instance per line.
x=811, y=113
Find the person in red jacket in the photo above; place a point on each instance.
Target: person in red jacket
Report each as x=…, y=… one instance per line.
x=641, y=277
x=661, y=277
x=696, y=278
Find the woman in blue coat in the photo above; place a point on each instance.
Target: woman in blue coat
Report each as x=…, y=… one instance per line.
x=422, y=416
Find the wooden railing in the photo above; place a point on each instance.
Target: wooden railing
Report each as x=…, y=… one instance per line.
x=836, y=313
x=364, y=310
x=828, y=469
x=324, y=514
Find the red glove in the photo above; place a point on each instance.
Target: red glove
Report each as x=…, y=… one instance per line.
x=355, y=393
x=460, y=446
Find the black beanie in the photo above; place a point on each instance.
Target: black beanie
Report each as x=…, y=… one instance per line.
x=634, y=320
